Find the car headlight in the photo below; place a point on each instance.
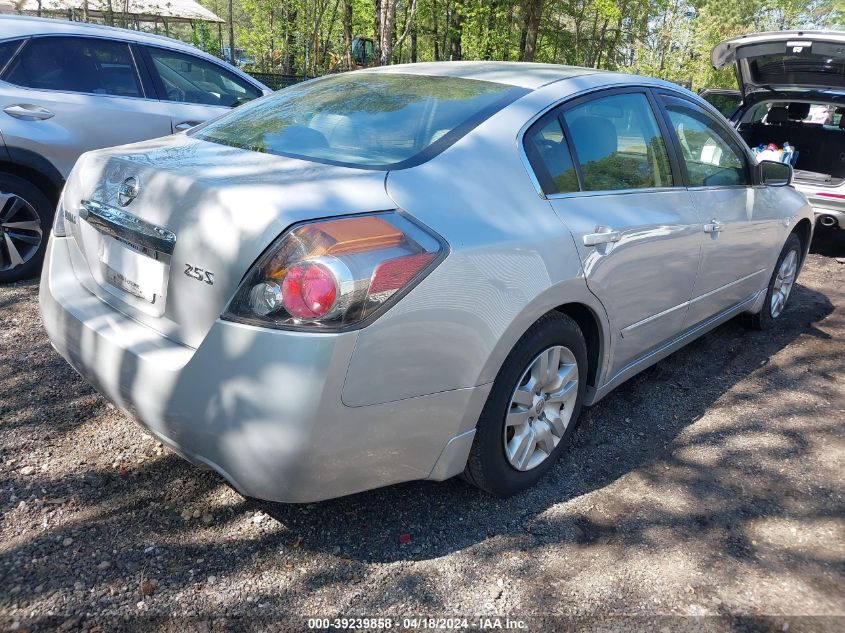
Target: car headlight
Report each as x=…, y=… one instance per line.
x=335, y=274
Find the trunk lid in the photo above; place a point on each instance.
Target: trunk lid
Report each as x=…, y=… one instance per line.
x=784, y=60
x=202, y=213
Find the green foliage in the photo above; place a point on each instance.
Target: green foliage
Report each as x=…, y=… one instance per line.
x=263, y=37
x=671, y=39
x=205, y=37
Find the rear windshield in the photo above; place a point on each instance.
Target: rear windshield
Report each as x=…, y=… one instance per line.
x=367, y=120
x=807, y=68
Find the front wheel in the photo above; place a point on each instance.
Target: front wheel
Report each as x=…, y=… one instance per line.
x=532, y=408
x=780, y=285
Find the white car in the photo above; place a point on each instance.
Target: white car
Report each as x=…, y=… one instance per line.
x=69, y=87
x=793, y=91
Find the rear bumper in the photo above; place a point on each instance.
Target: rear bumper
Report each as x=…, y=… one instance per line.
x=829, y=211
x=261, y=407
x=834, y=218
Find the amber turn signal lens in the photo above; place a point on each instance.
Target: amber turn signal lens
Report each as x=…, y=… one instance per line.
x=336, y=237
x=351, y=235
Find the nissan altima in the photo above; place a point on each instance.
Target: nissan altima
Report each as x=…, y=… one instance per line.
x=411, y=272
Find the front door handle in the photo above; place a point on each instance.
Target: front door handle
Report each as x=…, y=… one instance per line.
x=185, y=125
x=28, y=112
x=603, y=235
x=714, y=226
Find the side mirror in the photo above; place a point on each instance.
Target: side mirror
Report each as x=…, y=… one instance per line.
x=774, y=174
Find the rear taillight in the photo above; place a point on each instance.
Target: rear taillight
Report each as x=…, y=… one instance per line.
x=59, y=229
x=309, y=290
x=338, y=273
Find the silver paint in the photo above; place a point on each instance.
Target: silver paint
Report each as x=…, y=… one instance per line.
x=61, y=125
x=296, y=416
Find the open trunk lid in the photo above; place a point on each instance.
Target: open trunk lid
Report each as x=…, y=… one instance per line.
x=813, y=60
x=202, y=213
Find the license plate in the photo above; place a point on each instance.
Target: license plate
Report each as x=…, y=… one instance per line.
x=131, y=270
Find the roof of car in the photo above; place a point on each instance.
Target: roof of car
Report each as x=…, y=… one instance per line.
x=523, y=74
x=23, y=26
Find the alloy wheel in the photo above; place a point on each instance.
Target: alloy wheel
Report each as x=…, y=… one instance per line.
x=541, y=408
x=20, y=231
x=784, y=280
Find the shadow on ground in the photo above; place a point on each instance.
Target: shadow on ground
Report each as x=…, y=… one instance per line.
x=828, y=242
x=725, y=478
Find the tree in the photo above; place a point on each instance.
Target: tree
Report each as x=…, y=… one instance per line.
x=347, y=31
x=533, y=11
x=665, y=38
x=231, y=32
x=456, y=29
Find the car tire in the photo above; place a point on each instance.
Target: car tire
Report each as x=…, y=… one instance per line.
x=491, y=465
x=22, y=249
x=772, y=308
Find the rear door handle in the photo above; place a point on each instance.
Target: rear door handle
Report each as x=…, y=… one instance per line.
x=185, y=125
x=28, y=112
x=714, y=226
x=601, y=236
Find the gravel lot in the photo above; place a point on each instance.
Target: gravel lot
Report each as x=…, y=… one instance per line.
x=710, y=485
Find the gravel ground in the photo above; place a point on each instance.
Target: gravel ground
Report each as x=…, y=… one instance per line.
x=710, y=485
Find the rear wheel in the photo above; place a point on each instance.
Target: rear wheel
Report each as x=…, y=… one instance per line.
x=532, y=409
x=25, y=218
x=780, y=285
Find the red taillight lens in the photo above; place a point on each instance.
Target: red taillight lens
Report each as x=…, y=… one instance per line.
x=395, y=273
x=335, y=273
x=837, y=196
x=309, y=291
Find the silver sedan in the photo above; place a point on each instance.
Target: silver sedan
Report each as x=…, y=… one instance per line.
x=413, y=272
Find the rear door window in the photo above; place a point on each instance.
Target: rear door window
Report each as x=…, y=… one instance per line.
x=711, y=157
x=618, y=143
x=76, y=64
x=189, y=79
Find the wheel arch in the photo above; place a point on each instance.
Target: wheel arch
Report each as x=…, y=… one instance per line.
x=804, y=230
x=590, y=326
x=581, y=306
x=35, y=169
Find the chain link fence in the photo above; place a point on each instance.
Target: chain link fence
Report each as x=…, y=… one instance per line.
x=277, y=81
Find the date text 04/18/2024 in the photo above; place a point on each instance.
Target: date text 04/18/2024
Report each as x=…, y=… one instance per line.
x=417, y=623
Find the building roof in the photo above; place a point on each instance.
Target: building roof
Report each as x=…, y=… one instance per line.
x=23, y=26
x=145, y=10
